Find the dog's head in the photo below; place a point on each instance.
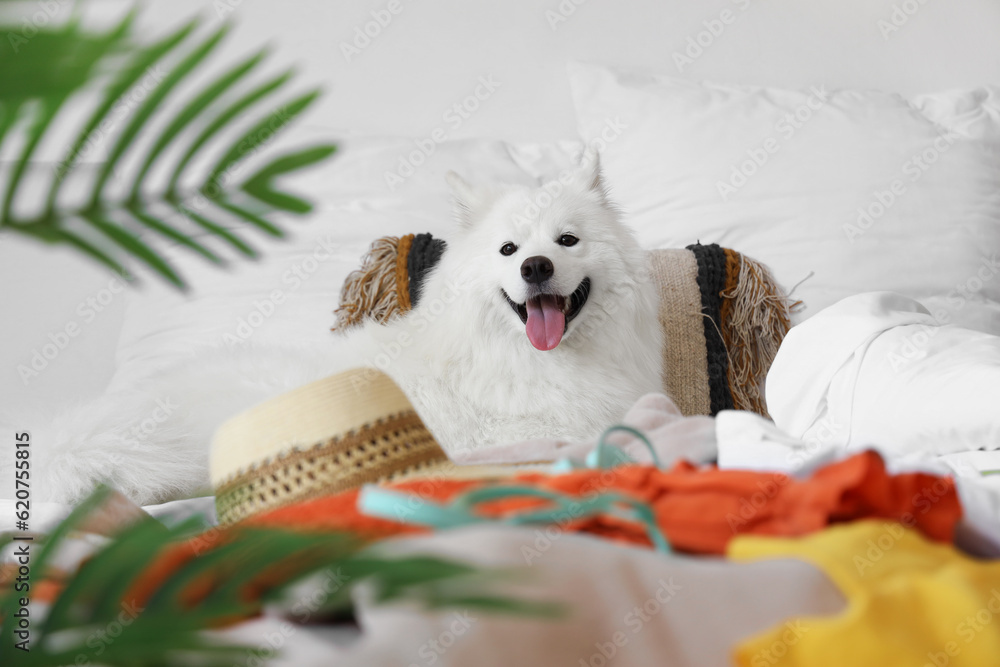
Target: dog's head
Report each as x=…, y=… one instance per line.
x=546, y=257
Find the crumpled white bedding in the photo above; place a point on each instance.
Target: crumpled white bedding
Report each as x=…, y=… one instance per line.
x=879, y=368
x=879, y=371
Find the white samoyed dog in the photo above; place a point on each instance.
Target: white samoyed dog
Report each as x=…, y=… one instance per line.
x=539, y=320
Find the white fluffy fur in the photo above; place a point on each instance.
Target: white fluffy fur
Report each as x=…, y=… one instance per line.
x=462, y=355
x=151, y=442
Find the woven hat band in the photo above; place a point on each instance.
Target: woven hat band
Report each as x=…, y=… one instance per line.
x=388, y=448
x=302, y=418
x=331, y=435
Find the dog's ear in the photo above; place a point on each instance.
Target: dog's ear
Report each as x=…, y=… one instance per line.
x=588, y=176
x=465, y=197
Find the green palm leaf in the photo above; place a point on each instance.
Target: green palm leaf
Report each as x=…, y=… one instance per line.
x=128, y=77
x=261, y=184
x=212, y=228
x=39, y=81
x=132, y=244
x=223, y=119
x=190, y=113
x=10, y=602
x=169, y=627
x=145, y=112
x=55, y=61
x=152, y=222
x=57, y=234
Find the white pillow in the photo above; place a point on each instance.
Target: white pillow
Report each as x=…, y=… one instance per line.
x=865, y=189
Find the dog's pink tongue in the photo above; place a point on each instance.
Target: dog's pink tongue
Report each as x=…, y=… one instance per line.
x=546, y=322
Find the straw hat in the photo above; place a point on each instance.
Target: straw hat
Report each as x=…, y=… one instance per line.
x=336, y=434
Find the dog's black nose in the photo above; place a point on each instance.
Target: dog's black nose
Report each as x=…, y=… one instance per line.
x=537, y=269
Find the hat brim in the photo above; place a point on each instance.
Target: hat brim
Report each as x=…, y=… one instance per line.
x=329, y=436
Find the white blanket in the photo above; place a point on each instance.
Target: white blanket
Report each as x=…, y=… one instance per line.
x=880, y=369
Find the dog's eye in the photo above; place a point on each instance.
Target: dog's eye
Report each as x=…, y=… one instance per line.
x=568, y=240
x=508, y=249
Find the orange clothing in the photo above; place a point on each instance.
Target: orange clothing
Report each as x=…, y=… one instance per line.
x=698, y=509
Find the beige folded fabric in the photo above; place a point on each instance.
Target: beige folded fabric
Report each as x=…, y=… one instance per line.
x=685, y=371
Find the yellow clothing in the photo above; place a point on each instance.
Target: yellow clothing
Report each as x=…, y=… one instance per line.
x=909, y=601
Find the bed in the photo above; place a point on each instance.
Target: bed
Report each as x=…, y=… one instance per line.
x=851, y=147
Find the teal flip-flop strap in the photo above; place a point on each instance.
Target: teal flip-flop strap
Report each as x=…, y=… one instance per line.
x=607, y=455
x=389, y=504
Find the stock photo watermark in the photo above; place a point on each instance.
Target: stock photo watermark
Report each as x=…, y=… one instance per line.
x=915, y=344
x=545, y=538
x=99, y=640
x=247, y=148
x=432, y=650
x=562, y=12
x=550, y=534
x=30, y=25
x=417, y=322
x=224, y=8
x=453, y=118
x=899, y=17
x=892, y=532
x=759, y=155
x=773, y=653
x=143, y=428
x=294, y=277
x=967, y=630
x=634, y=620
x=822, y=436
x=21, y=583
x=749, y=507
x=697, y=44
x=58, y=341
x=369, y=31
x=911, y=171
x=321, y=589
x=268, y=649
x=317, y=590
x=121, y=110
x=550, y=191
